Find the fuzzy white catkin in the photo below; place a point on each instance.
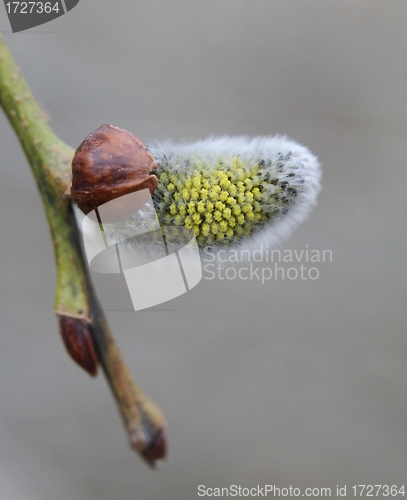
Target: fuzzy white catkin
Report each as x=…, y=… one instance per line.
x=275, y=179
x=292, y=167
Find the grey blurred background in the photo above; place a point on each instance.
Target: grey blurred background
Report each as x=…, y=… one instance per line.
x=290, y=382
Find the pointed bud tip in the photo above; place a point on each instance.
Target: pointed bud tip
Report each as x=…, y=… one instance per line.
x=157, y=450
x=78, y=342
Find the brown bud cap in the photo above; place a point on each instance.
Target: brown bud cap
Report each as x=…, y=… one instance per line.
x=157, y=450
x=78, y=342
x=110, y=163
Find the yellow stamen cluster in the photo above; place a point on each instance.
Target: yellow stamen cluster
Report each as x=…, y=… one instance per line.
x=218, y=204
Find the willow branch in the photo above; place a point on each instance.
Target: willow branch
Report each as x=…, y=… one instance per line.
x=82, y=322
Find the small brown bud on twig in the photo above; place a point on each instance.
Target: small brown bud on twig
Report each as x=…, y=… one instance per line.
x=157, y=450
x=110, y=163
x=78, y=342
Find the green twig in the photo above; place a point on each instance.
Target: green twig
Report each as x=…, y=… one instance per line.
x=82, y=322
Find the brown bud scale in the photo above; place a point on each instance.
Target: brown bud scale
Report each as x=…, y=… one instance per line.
x=157, y=450
x=78, y=342
x=110, y=163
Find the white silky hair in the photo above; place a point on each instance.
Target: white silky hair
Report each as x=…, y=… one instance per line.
x=286, y=160
x=297, y=165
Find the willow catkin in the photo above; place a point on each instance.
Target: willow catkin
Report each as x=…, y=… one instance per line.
x=235, y=191
x=231, y=192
